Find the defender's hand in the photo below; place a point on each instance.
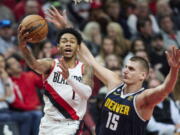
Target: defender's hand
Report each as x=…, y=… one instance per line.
x=59, y=20
x=64, y=68
x=173, y=57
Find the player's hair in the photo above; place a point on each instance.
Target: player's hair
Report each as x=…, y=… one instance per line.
x=71, y=31
x=144, y=63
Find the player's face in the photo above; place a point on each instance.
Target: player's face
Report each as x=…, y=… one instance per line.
x=68, y=45
x=132, y=73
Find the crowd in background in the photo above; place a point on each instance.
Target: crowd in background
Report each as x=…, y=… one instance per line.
x=114, y=31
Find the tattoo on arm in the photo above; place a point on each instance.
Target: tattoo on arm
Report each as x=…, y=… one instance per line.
x=88, y=75
x=29, y=58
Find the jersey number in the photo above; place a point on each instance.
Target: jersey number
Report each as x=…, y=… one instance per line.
x=112, y=122
x=73, y=95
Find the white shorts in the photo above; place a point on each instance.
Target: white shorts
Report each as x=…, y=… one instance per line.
x=52, y=127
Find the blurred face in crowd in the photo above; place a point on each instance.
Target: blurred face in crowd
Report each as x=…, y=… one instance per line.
x=108, y=46
x=31, y=7
x=112, y=61
x=47, y=47
x=111, y=32
x=13, y=66
x=6, y=33
x=113, y=10
x=139, y=45
x=68, y=45
x=133, y=72
x=142, y=54
x=167, y=24
x=163, y=8
x=147, y=29
x=158, y=44
x=142, y=9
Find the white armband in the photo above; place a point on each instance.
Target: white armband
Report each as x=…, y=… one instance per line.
x=81, y=89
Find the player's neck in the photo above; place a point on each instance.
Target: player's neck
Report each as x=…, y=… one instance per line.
x=71, y=62
x=131, y=88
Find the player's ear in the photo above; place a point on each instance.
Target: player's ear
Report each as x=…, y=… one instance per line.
x=143, y=76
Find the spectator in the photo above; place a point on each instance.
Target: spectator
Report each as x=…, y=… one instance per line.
x=166, y=116
x=27, y=7
x=113, y=10
x=157, y=56
x=107, y=47
x=171, y=36
x=136, y=45
x=175, y=6
x=145, y=32
x=141, y=13
x=115, y=32
x=27, y=99
x=92, y=37
x=5, y=12
x=7, y=40
x=23, y=120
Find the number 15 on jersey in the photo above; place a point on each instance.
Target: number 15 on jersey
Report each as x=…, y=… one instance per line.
x=112, y=122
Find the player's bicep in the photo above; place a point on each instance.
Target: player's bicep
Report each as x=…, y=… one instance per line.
x=152, y=97
x=88, y=75
x=43, y=65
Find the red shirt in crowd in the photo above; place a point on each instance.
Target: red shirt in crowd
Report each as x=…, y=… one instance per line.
x=26, y=91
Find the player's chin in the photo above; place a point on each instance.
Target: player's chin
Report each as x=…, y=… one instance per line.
x=125, y=80
x=67, y=56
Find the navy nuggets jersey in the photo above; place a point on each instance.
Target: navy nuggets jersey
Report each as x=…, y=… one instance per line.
x=119, y=115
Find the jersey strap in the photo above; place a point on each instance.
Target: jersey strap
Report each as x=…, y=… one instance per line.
x=58, y=102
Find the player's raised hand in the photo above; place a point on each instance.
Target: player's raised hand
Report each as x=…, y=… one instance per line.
x=173, y=57
x=23, y=35
x=55, y=17
x=64, y=68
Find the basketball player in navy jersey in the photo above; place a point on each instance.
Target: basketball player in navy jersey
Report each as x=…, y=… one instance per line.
x=127, y=107
x=67, y=84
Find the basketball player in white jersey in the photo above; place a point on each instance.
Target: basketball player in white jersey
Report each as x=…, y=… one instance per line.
x=67, y=84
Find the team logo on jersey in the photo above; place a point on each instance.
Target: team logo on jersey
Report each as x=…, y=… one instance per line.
x=117, y=107
x=130, y=98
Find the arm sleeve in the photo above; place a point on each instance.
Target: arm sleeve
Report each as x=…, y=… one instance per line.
x=81, y=89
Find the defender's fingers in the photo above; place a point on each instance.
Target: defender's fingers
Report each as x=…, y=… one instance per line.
x=55, y=10
x=51, y=12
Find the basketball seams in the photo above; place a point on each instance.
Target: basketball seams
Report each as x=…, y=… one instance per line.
x=36, y=26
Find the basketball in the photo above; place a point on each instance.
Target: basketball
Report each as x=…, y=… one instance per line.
x=36, y=26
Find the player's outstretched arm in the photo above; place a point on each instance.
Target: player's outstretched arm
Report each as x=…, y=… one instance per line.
x=149, y=98
x=109, y=78
x=41, y=66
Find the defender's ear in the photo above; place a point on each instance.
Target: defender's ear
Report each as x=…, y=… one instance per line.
x=143, y=76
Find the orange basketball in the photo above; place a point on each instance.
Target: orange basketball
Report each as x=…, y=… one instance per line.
x=36, y=26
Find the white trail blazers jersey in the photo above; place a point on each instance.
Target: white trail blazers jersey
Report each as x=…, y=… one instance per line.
x=61, y=102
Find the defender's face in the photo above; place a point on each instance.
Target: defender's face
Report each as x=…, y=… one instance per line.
x=132, y=73
x=68, y=45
